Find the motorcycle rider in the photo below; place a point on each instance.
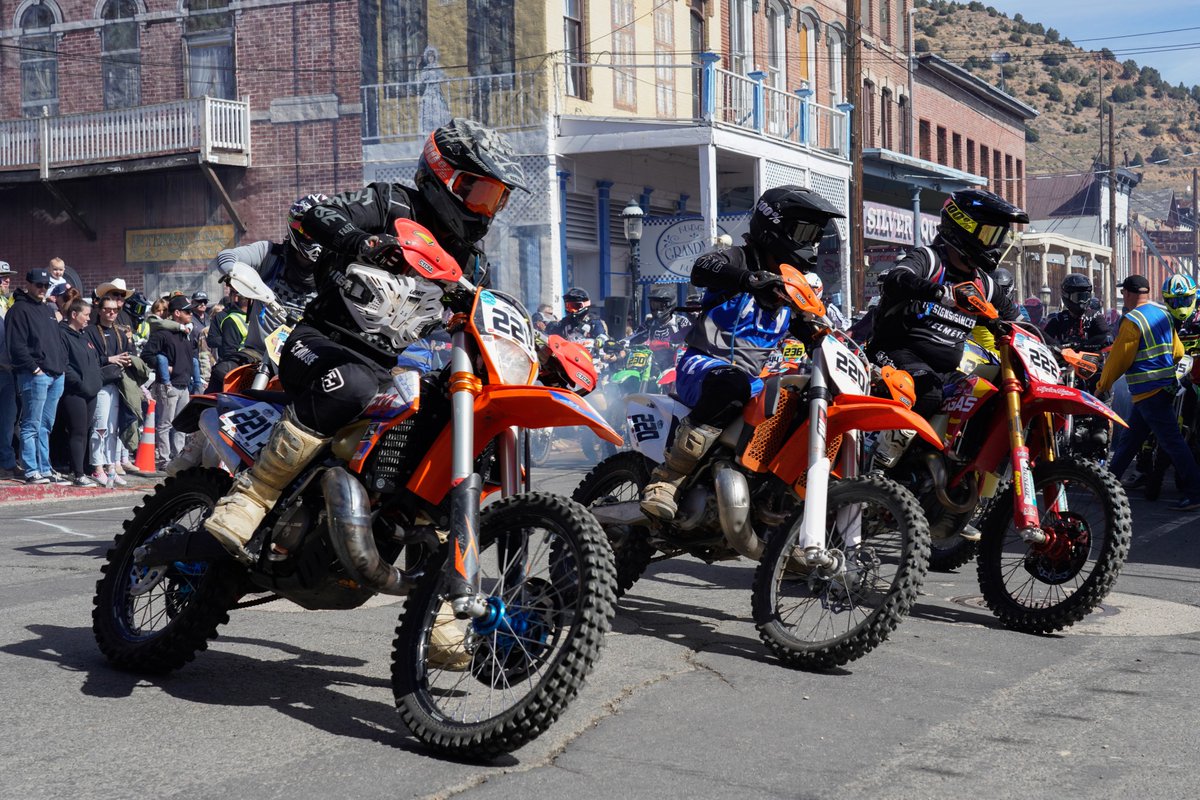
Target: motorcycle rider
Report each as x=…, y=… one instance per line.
x=919, y=326
x=1179, y=296
x=663, y=325
x=744, y=317
x=580, y=320
x=1078, y=325
x=287, y=268
x=332, y=366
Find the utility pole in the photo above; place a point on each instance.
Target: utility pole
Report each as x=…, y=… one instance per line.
x=853, y=87
x=1195, y=224
x=1110, y=276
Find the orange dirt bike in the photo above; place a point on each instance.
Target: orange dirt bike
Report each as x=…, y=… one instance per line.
x=844, y=555
x=1057, y=528
x=522, y=590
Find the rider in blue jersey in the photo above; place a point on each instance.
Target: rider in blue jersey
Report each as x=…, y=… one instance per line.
x=744, y=317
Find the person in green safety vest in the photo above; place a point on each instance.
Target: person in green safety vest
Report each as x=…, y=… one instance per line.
x=1145, y=352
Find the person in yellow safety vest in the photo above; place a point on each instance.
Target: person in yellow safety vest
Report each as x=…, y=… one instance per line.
x=233, y=326
x=1145, y=352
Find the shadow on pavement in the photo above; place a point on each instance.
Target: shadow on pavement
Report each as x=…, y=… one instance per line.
x=303, y=686
x=71, y=547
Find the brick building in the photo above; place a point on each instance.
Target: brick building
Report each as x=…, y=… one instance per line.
x=137, y=137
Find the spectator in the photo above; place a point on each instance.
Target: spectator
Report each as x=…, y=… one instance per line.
x=58, y=273
x=176, y=372
x=78, y=405
x=1145, y=351
x=8, y=386
x=115, y=347
x=234, y=326
x=133, y=317
x=545, y=317
x=39, y=359
x=63, y=296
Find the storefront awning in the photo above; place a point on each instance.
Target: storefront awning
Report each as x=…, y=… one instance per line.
x=881, y=163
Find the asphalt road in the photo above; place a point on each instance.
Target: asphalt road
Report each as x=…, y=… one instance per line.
x=685, y=703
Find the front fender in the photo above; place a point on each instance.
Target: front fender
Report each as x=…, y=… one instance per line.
x=626, y=374
x=501, y=407
x=1056, y=399
x=850, y=413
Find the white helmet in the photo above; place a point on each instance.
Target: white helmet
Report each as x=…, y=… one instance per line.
x=814, y=281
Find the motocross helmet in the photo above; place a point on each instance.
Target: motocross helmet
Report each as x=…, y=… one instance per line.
x=1076, y=293
x=662, y=302
x=814, y=280
x=788, y=223
x=576, y=301
x=1004, y=283
x=1179, y=296
x=301, y=241
x=137, y=305
x=978, y=226
x=466, y=174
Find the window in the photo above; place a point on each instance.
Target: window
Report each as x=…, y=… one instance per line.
x=121, y=55
x=1008, y=179
x=885, y=20
x=624, y=80
x=971, y=156
x=885, y=119
x=808, y=52
x=1020, y=183
x=926, y=144
x=941, y=145
x=664, y=48
x=837, y=65
x=491, y=37
x=776, y=47
x=573, y=37
x=905, y=125
x=404, y=35
x=868, y=114
x=208, y=38
x=956, y=147
x=741, y=56
x=39, y=62
x=984, y=161
x=864, y=15
x=698, y=47
x=997, y=175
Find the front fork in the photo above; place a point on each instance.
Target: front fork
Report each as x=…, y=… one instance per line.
x=813, y=540
x=466, y=485
x=1025, y=510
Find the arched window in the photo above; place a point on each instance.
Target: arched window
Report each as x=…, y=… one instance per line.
x=885, y=20
x=808, y=51
x=836, y=41
x=121, y=54
x=741, y=41
x=699, y=43
x=208, y=31
x=491, y=37
x=39, y=61
x=864, y=15
x=776, y=46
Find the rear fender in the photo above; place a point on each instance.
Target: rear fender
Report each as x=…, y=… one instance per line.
x=188, y=418
x=850, y=413
x=498, y=408
x=1056, y=399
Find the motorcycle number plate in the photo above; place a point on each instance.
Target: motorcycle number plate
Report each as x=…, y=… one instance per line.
x=249, y=428
x=638, y=360
x=648, y=429
x=1037, y=358
x=846, y=370
x=793, y=351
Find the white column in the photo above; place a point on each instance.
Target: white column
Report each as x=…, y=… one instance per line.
x=708, y=190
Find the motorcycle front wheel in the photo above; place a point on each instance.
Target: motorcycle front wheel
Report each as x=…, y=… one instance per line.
x=154, y=618
x=1041, y=588
x=483, y=687
x=621, y=479
x=814, y=620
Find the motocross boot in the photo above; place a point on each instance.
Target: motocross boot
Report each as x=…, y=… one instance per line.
x=446, y=650
x=255, y=491
x=691, y=443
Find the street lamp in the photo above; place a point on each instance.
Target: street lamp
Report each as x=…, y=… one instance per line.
x=631, y=217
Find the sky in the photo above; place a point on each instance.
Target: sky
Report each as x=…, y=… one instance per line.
x=1100, y=20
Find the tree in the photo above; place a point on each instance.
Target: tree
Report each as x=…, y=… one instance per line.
x=1031, y=135
x=1137, y=161
x=1129, y=69
x=1159, y=154
x=1107, y=55
x=922, y=45
x=1151, y=129
x=1051, y=90
x=1051, y=35
x=1123, y=93
x=1053, y=59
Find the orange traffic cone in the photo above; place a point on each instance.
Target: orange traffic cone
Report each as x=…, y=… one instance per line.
x=144, y=460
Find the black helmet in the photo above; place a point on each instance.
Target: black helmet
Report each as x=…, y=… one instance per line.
x=578, y=298
x=304, y=244
x=1004, y=282
x=1076, y=293
x=978, y=224
x=466, y=173
x=137, y=305
x=788, y=222
x=662, y=301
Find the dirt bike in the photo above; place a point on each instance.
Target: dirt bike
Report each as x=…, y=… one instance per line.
x=523, y=589
x=1086, y=437
x=1056, y=536
x=1185, y=406
x=844, y=554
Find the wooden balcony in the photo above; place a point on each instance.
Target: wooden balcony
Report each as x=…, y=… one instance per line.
x=202, y=130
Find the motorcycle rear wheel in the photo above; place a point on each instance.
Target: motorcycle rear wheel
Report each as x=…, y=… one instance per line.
x=178, y=606
x=547, y=571
x=816, y=622
x=621, y=478
x=1041, y=589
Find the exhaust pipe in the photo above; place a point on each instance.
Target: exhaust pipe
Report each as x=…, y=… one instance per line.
x=733, y=509
x=937, y=469
x=349, y=517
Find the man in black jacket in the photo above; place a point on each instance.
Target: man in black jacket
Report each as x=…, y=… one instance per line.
x=39, y=360
x=170, y=397
x=1078, y=325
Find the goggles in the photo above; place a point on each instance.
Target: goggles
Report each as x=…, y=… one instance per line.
x=1180, y=300
x=479, y=194
x=575, y=308
x=1079, y=296
x=807, y=232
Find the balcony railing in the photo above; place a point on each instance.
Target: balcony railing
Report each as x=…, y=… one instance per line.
x=405, y=111
x=219, y=130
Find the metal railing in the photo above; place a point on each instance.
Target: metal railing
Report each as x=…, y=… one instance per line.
x=218, y=129
x=399, y=111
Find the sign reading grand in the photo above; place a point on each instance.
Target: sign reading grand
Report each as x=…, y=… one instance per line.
x=677, y=242
x=885, y=223
x=201, y=243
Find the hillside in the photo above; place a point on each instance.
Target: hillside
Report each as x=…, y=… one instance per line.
x=1154, y=120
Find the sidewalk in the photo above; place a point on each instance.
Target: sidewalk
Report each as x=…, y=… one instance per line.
x=17, y=492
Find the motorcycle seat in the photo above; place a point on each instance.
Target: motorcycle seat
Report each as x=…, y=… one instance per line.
x=267, y=396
